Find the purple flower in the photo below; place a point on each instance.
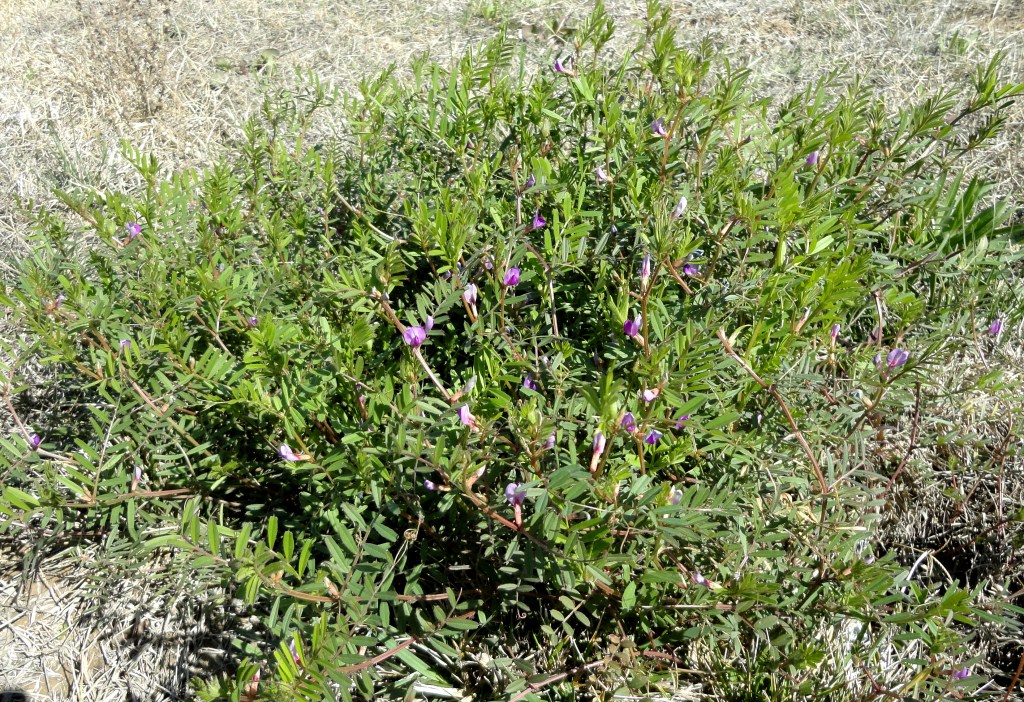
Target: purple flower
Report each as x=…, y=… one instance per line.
x=812, y=158
x=628, y=422
x=253, y=322
x=430, y=485
x=896, y=358
x=511, y=278
x=138, y=473
x=287, y=454
x=691, y=269
x=559, y=68
x=466, y=417
x=680, y=208
x=681, y=422
x=651, y=394
x=700, y=579
x=488, y=263
x=760, y=174
x=34, y=441
x=996, y=328
x=530, y=182
x=653, y=437
x=550, y=443
x=835, y=332
x=429, y=323
x=602, y=175
x=414, y=336
x=538, y=221
x=631, y=327
x=878, y=360
x=658, y=127
x=675, y=496
x=529, y=383
x=125, y=343
x=961, y=673
x=515, y=493
x=134, y=230
x=470, y=294
x=599, y=443
x=295, y=653
x=645, y=271
x=51, y=306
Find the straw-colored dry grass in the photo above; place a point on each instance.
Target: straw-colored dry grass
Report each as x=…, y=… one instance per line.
x=176, y=78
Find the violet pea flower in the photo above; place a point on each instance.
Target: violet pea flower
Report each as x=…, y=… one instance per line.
x=470, y=294
x=631, y=327
x=34, y=441
x=430, y=485
x=559, y=68
x=651, y=394
x=414, y=336
x=896, y=358
x=428, y=324
x=680, y=208
x=515, y=493
x=681, y=422
x=658, y=127
x=550, y=443
x=252, y=322
x=511, y=278
x=645, y=271
x=691, y=269
x=529, y=383
x=628, y=422
x=996, y=328
x=287, y=454
x=961, y=673
x=834, y=333
x=125, y=343
x=530, y=182
x=652, y=438
x=599, y=444
x=602, y=175
x=675, y=496
x=134, y=229
x=812, y=158
x=538, y=221
x=466, y=417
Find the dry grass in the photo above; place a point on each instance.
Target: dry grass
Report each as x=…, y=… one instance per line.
x=176, y=78
x=67, y=635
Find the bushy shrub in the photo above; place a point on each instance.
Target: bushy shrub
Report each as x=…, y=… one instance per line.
x=528, y=382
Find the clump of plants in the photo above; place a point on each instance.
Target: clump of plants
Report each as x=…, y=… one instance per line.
x=529, y=383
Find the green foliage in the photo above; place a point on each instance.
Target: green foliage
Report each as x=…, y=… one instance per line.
x=264, y=303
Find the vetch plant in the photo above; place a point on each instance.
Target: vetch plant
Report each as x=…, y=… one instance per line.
x=698, y=482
